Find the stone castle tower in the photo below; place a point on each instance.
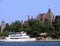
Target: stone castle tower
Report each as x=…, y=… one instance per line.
x=2, y=26
x=50, y=15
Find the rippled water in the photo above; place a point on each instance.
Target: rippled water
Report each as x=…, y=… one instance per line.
x=30, y=43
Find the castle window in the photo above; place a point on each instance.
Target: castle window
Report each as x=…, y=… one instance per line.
x=41, y=20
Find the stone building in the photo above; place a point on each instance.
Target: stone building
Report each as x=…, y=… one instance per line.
x=2, y=26
x=49, y=15
x=41, y=17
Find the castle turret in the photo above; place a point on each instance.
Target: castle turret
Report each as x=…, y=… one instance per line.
x=28, y=17
x=2, y=26
x=50, y=15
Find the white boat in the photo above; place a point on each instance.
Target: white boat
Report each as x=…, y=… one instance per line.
x=18, y=37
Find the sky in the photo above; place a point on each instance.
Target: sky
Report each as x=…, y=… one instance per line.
x=12, y=10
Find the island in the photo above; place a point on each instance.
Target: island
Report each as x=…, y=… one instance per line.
x=45, y=27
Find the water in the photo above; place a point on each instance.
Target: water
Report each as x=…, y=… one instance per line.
x=29, y=43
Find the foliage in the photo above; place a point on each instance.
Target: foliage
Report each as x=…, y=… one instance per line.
x=4, y=34
x=48, y=25
x=15, y=26
x=34, y=27
x=7, y=28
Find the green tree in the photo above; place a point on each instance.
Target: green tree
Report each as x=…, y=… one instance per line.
x=4, y=34
x=48, y=26
x=56, y=25
x=15, y=26
x=35, y=27
x=7, y=28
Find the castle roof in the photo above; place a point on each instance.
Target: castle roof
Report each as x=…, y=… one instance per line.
x=41, y=15
x=49, y=12
x=3, y=21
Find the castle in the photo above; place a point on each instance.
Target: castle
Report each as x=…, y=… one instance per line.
x=49, y=15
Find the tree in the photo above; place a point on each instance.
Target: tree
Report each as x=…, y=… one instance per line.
x=26, y=27
x=15, y=26
x=4, y=34
x=35, y=27
x=57, y=27
x=7, y=28
x=48, y=25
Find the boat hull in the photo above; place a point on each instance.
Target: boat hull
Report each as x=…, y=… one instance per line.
x=18, y=40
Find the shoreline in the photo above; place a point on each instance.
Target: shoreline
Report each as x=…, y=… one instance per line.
x=48, y=40
x=2, y=40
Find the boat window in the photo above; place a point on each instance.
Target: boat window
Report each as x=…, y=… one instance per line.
x=14, y=38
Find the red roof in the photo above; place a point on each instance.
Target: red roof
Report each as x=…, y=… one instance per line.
x=42, y=15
